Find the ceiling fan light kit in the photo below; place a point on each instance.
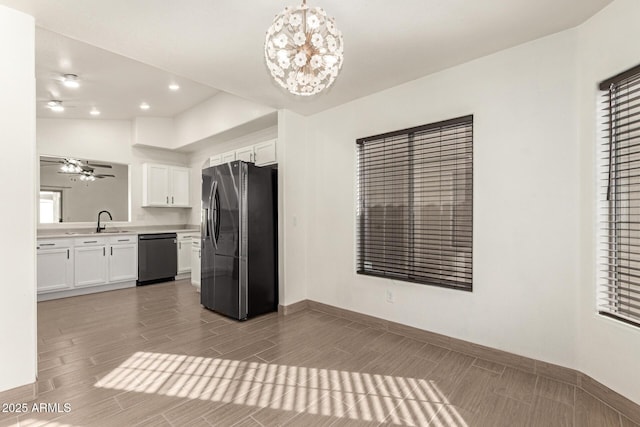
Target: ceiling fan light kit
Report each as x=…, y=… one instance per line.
x=304, y=50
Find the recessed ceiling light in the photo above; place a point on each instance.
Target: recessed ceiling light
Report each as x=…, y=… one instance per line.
x=94, y=112
x=144, y=106
x=55, y=105
x=174, y=86
x=70, y=80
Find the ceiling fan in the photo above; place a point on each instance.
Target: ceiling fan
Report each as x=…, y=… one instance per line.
x=70, y=165
x=91, y=176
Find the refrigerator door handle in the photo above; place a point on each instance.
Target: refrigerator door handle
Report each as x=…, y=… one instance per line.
x=213, y=213
x=205, y=224
x=216, y=230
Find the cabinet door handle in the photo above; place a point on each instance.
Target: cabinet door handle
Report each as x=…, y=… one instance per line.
x=111, y=251
x=179, y=245
x=104, y=251
x=167, y=199
x=68, y=254
x=47, y=244
x=172, y=200
x=91, y=241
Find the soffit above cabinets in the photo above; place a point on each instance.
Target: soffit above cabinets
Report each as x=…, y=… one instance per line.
x=220, y=43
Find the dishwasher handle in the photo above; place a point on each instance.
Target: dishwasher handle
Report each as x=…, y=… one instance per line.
x=157, y=236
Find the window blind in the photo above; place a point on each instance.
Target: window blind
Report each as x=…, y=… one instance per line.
x=619, y=290
x=415, y=204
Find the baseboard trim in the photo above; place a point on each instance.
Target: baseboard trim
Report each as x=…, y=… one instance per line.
x=285, y=310
x=587, y=384
x=86, y=290
x=24, y=393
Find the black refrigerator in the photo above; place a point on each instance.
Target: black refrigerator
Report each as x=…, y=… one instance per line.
x=239, y=240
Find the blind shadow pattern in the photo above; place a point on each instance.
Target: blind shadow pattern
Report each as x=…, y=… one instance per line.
x=619, y=157
x=415, y=204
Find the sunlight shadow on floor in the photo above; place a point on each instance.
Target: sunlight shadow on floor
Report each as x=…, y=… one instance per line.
x=353, y=395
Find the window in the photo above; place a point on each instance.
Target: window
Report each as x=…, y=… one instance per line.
x=619, y=288
x=415, y=204
x=50, y=207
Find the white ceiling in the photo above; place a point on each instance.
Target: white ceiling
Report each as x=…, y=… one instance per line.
x=220, y=42
x=111, y=83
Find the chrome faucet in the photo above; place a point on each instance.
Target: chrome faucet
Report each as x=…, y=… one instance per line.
x=99, y=229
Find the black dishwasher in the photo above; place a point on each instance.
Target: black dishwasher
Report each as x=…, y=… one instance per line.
x=157, y=258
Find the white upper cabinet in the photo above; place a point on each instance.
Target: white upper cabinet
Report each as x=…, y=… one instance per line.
x=155, y=184
x=261, y=154
x=265, y=153
x=179, y=183
x=245, y=154
x=215, y=160
x=228, y=157
x=165, y=186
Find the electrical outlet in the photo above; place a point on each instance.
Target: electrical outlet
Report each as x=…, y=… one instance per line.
x=391, y=298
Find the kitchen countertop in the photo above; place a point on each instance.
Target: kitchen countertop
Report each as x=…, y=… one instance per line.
x=115, y=231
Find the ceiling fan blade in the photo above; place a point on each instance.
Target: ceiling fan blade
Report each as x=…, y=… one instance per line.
x=59, y=162
x=104, y=176
x=98, y=165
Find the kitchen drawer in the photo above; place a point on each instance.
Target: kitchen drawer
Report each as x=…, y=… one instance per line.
x=121, y=240
x=90, y=241
x=53, y=244
x=188, y=236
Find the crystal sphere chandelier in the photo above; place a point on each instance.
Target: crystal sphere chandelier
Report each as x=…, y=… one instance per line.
x=304, y=50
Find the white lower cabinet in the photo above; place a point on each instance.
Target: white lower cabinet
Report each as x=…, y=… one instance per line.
x=184, y=251
x=90, y=265
x=184, y=255
x=195, y=262
x=55, y=266
x=68, y=265
x=123, y=262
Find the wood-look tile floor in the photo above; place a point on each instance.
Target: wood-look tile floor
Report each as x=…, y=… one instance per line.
x=152, y=356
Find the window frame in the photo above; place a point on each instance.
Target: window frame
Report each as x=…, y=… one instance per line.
x=610, y=289
x=361, y=208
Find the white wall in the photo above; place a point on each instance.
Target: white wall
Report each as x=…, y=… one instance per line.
x=17, y=253
x=293, y=189
x=110, y=141
x=525, y=201
x=609, y=351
